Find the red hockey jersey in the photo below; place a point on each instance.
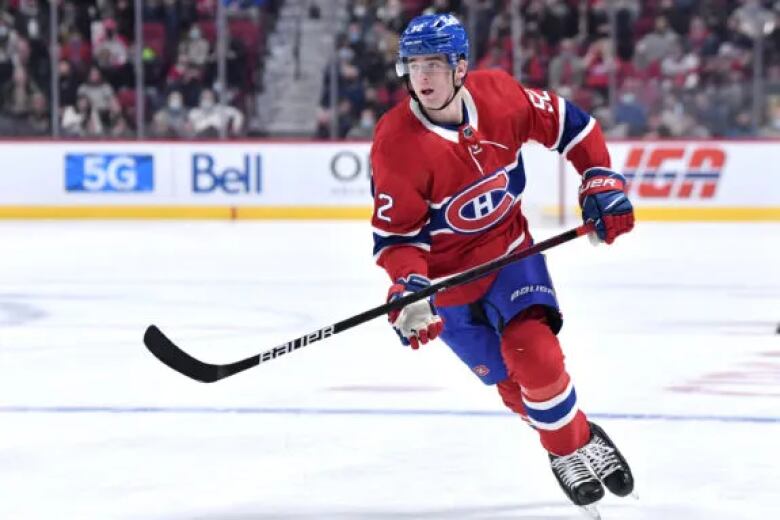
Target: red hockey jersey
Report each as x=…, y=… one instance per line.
x=448, y=198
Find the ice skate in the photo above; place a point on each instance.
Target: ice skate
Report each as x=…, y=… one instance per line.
x=576, y=479
x=607, y=463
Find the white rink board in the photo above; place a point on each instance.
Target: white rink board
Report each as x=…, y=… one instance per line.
x=248, y=173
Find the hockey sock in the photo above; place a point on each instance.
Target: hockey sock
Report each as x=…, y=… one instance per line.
x=534, y=359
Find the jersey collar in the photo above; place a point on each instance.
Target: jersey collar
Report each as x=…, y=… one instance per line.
x=441, y=131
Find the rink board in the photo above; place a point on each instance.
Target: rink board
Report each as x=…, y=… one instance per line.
x=668, y=180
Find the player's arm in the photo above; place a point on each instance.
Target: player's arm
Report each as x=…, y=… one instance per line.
x=402, y=244
x=563, y=127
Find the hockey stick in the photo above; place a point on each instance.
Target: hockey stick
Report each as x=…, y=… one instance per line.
x=167, y=352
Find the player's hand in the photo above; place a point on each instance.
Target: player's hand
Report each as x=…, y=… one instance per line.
x=417, y=323
x=604, y=203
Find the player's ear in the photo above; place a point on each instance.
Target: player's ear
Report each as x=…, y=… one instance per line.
x=461, y=69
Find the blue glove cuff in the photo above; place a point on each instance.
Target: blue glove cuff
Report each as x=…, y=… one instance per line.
x=414, y=282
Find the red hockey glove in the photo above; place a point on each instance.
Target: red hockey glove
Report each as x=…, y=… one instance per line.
x=418, y=322
x=604, y=203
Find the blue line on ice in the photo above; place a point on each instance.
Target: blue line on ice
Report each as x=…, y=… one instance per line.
x=248, y=410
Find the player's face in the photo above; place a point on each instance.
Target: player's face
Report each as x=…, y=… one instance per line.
x=431, y=79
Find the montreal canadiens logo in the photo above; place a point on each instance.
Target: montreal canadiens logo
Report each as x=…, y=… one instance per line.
x=480, y=206
x=481, y=370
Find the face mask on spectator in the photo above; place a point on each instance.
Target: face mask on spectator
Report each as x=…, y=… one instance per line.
x=174, y=103
x=32, y=29
x=346, y=54
x=194, y=33
x=628, y=98
x=354, y=35
x=206, y=103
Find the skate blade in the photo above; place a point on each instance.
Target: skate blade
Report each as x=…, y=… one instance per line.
x=592, y=511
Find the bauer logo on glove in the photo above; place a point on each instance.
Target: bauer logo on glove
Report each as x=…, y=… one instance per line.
x=604, y=203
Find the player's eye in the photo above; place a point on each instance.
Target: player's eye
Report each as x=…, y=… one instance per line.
x=426, y=67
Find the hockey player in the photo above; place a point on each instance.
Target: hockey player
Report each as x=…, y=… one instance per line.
x=447, y=182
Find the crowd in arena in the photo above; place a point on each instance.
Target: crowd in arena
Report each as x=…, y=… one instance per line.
x=681, y=67
x=673, y=68
x=96, y=67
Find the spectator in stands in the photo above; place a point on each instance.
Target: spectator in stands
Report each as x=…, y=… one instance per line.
x=160, y=127
x=700, y=39
x=671, y=113
x=125, y=17
x=82, y=120
x=68, y=82
x=496, y=58
x=603, y=115
x=364, y=129
x=111, y=53
x=76, y=17
x=28, y=14
x=195, y=48
x=206, y=8
x=207, y=117
x=557, y=20
x=597, y=62
x=77, y=51
x=186, y=79
x=344, y=120
x=741, y=127
x=38, y=122
x=714, y=115
x=630, y=112
x=17, y=95
x=566, y=68
x=500, y=30
x=442, y=7
x=655, y=45
x=392, y=14
x=8, y=44
x=772, y=128
x=174, y=116
x=681, y=68
x=118, y=127
x=100, y=94
x=534, y=66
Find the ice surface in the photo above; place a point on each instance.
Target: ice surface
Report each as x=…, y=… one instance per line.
x=669, y=335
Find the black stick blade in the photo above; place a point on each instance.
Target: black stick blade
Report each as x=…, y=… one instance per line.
x=166, y=351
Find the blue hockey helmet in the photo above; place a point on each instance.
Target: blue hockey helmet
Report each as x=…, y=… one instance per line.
x=432, y=34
